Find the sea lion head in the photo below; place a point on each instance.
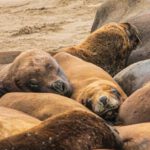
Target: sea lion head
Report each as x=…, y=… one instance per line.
x=104, y=99
x=36, y=71
x=132, y=33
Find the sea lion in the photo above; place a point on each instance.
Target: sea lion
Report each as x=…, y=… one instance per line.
x=134, y=76
x=72, y=130
x=92, y=86
x=136, y=12
x=34, y=71
x=39, y=105
x=136, y=108
x=13, y=122
x=135, y=137
x=108, y=47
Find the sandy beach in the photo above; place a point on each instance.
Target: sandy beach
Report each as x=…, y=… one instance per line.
x=44, y=24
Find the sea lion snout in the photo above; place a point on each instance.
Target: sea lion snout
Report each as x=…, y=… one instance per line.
x=61, y=87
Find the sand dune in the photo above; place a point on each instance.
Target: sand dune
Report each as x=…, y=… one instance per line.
x=44, y=24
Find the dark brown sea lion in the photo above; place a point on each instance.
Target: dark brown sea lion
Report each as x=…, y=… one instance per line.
x=33, y=71
x=136, y=12
x=72, y=130
x=108, y=47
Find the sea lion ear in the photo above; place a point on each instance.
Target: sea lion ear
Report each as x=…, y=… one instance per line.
x=132, y=31
x=116, y=92
x=127, y=26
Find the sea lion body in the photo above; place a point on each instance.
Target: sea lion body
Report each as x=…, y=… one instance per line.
x=92, y=86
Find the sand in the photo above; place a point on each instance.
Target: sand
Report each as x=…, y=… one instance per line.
x=44, y=24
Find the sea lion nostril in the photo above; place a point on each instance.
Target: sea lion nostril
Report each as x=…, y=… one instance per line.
x=103, y=100
x=58, y=86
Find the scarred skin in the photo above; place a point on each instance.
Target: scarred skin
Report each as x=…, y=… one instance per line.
x=33, y=71
x=92, y=86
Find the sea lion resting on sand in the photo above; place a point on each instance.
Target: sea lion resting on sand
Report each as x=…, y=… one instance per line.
x=73, y=130
x=13, y=122
x=136, y=12
x=92, y=86
x=33, y=71
x=108, y=47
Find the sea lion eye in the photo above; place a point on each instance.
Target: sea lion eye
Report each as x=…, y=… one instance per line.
x=33, y=83
x=115, y=91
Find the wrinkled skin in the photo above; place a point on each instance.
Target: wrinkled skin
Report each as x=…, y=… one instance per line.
x=34, y=71
x=136, y=12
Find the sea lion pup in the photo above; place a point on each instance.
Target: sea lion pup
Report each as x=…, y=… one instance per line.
x=135, y=137
x=73, y=130
x=108, y=47
x=13, y=122
x=33, y=71
x=136, y=108
x=92, y=86
x=39, y=105
x=134, y=76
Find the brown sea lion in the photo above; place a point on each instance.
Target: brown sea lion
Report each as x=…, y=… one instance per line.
x=136, y=108
x=134, y=76
x=39, y=105
x=135, y=137
x=108, y=47
x=13, y=122
x=33, y=71
x=92, y=86
x=72, y=130
x=136, y=12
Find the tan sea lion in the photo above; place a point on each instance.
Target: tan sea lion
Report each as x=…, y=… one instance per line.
x=39, y=105
x=92, y=86
x=34, y=71
x=13, y=122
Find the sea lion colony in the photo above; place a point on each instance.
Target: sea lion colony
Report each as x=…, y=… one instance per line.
x=64, y=100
